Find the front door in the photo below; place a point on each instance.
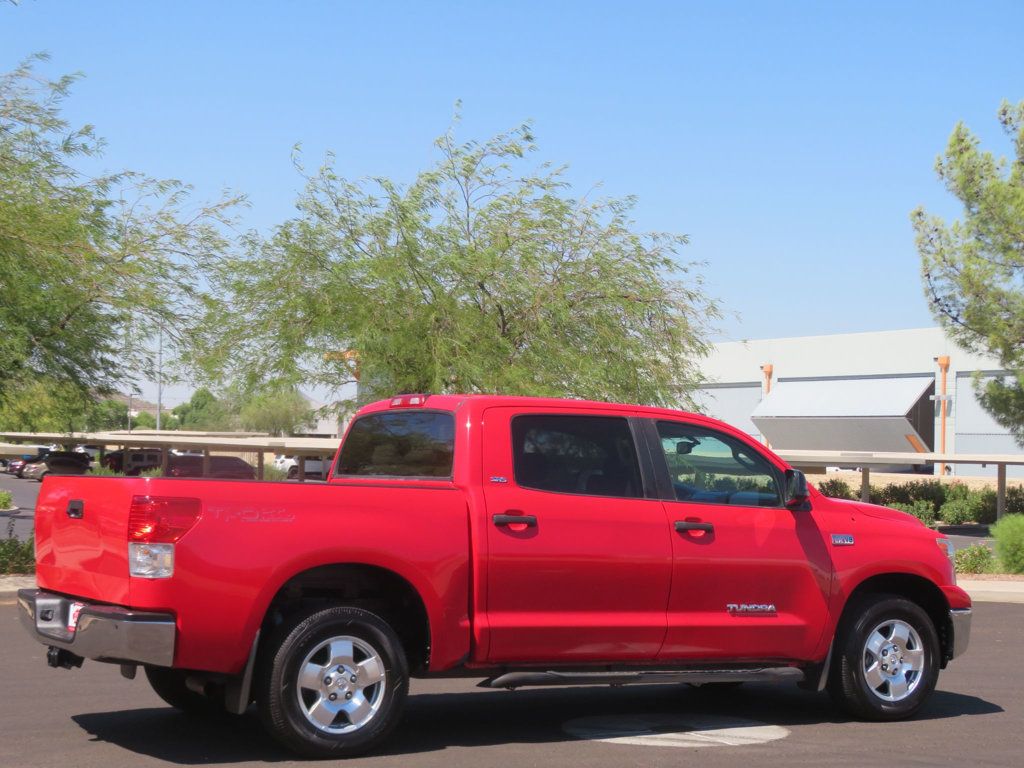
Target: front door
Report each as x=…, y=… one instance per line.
x=578, y=561
x=750, y=577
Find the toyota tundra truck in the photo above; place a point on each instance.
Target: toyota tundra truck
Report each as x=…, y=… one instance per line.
x=526, y=541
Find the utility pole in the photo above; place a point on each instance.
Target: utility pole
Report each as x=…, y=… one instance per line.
x=130, y=393
x=159, y=375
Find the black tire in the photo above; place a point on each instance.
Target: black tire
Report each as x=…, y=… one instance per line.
x=849, y=685
x=169, y=685
x=283, y=706
x=293, y=473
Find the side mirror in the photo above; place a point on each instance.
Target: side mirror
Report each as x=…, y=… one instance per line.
x=797, y=494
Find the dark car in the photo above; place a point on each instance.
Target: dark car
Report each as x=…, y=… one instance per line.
x=224, y=467
x=57, y=463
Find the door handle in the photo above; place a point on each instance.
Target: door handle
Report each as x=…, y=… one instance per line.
x=686, y=525
x=75, y=509
x=527, y=520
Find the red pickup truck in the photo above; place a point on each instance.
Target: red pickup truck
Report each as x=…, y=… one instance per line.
x=529, y=541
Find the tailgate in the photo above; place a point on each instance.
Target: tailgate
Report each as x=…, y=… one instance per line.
x=82, y=536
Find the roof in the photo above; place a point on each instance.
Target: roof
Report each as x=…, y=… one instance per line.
x=891, y=396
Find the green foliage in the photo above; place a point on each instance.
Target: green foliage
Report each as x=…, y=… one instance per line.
x=6, y=500
x=976, y=558
x=16, y=556
x=107, y=415
x=922, y=509
x=480, y=276
x=204, y=411
x=277, y=411
x=272, y=473
x=101, y=471
x=933, y=491
x=956, y=512
x=144, y=420
x=973, y=269
x=92, y=266
x=836, y=488
x=1009, y=536
x=154, y=472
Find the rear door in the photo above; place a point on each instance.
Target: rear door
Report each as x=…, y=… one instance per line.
x=750, y=577
x=579, y=558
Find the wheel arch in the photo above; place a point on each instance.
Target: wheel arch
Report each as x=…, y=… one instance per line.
x=915, y=588
x=372, y=587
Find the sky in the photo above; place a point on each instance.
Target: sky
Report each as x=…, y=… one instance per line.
x=789, y=140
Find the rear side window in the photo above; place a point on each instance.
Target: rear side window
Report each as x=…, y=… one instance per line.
x=592, y=455
x=399, y=444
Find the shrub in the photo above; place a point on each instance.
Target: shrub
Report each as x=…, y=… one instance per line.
x=976, y=558
x=957, y=512
x=921, y=509
x=836, y=489
x=983, y=505
x=16, y=556
x=100, y=471
x=957, y=492
x=1015, y=500
x=6, y=500
x=1009, y=536
x=154, y=472
x=270, y=472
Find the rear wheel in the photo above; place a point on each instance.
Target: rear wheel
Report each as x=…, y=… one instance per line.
x=887, y=659
x=169, y=685
x=333, y=683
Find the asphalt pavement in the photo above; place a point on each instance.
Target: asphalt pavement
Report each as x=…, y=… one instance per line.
x=94, y=718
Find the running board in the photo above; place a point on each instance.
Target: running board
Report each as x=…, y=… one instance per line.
x=512, y=680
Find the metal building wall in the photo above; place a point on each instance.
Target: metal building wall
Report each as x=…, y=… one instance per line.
x=732, y=403
x=975, y=431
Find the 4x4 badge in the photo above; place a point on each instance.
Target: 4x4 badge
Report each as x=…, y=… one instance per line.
x=842, y=540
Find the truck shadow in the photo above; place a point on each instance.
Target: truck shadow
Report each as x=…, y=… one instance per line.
x=437, y=721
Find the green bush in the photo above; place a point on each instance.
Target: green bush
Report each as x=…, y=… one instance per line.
x=16, y=556
x=957, y=512
x=100, y=471
x=957, y=492
x=6, y=500
x=922, y=509
x=976, y=558
x=154, y=472
x=270, y=472
x=1015, y=500
x=983, y=505
x=1009, y=536
x=836, y=488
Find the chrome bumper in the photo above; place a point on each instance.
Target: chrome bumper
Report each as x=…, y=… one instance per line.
x=960, y=623
x=102, y=632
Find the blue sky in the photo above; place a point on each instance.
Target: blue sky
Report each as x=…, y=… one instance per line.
x=790, y=141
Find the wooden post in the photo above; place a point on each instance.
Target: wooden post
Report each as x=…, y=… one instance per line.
x=302, y=468
x=259, y=465
x=165, y=460
x=865, y=484
x=206, y=462
x=1000, y=490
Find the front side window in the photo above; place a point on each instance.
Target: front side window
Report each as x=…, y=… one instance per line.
x=399, y=444
x=713, y=468
x=592, y=455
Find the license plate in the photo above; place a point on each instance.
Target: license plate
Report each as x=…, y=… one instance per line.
x=73, y=612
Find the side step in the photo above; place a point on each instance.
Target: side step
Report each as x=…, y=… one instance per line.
x=512, y=680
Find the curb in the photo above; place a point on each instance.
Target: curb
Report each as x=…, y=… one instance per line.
x=9, y=585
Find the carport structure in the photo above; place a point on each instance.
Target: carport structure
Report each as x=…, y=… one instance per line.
x=302, y=448
x=866, y=460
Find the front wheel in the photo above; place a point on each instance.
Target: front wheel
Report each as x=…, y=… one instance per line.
x=887, y=659
x=333, y=683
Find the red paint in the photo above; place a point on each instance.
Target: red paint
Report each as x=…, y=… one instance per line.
x=596, y=579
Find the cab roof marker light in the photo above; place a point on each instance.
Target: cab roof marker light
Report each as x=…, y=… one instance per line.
x=408, y=401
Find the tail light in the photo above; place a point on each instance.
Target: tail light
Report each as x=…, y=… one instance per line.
x=408, y=401
x=155, y=523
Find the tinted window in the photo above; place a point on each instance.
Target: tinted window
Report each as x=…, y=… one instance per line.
x=593, y=455
x=399, y=444
x=714, y=468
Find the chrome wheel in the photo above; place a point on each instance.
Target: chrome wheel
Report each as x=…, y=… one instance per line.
x=894, y=660
x=341, y=684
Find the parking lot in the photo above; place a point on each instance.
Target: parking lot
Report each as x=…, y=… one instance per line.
x=93, y=717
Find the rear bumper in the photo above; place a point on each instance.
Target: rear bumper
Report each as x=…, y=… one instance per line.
x=960, y=623
x=103, y=632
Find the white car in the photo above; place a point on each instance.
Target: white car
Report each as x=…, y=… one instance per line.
x=316, y=469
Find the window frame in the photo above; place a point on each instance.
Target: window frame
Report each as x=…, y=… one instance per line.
x=336, y=463
x=641, y=453
x=665, y=487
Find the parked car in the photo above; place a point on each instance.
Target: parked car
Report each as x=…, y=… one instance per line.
x=134, y=461
x=32, y=452
x=528, y=541
x=224, y=467
x=314, y=468
x=58, y=463
x=92, y=450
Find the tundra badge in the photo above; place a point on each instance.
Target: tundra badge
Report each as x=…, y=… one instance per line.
x=842, y=540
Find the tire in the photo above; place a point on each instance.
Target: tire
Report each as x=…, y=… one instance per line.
x=296, y=708
x=293, y=473
x=875, y=630
x=169, y=685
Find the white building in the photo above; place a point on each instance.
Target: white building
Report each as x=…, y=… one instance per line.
x=878, y=391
